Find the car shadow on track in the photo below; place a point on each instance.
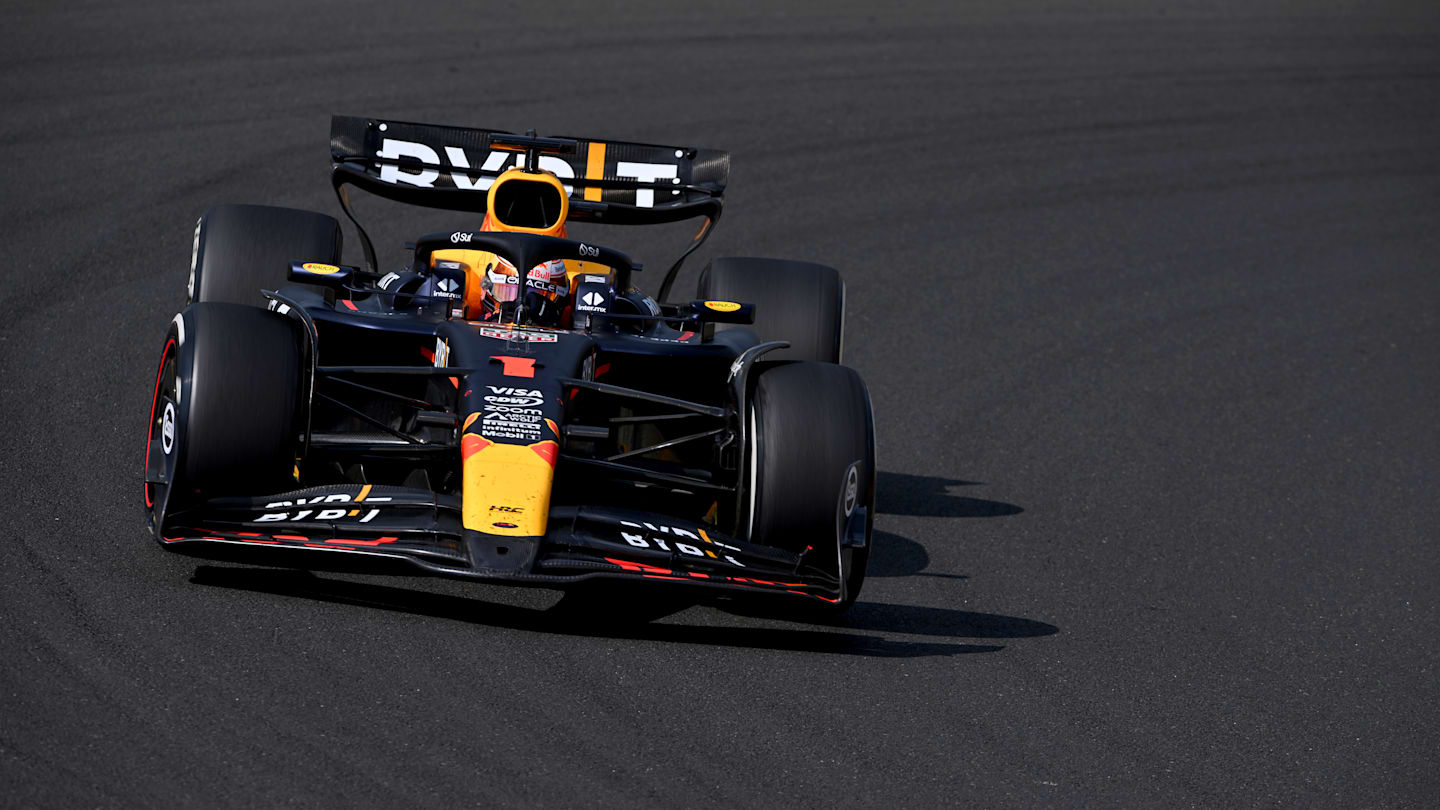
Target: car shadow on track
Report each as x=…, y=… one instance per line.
x=923, y=496
x=897, y=556
x=758, y=632
x=930, y=496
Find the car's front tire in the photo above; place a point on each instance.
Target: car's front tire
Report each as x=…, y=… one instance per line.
x=813, y=463
x=224, y=417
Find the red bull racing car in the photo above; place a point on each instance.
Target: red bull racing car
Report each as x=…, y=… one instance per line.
x=509, y=406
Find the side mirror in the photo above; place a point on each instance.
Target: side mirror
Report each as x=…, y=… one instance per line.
x=722, y=312
x=594, y=298
x=329, y=275
x=448, y=286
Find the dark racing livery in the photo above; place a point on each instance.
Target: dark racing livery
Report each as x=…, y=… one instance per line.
x=509, y=406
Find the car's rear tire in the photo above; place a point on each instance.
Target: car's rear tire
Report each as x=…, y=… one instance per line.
x=240, y=250
x=801, y=302
x=230, y=378
x=813, y=457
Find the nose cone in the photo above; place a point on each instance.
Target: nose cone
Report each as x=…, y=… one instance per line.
x=507, y=486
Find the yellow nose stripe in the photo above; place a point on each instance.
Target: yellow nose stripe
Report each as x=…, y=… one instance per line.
x=507, y=490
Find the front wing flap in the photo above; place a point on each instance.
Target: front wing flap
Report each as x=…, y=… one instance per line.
x=414, y=531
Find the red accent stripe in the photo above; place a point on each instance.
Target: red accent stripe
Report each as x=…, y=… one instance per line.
x=150, y=432
x=349, y=304
x=547, y=450
x=767, y=582
x=516, y=366
x=363, y=542
x=641, y=567
x=291, y=537
x=472, y=443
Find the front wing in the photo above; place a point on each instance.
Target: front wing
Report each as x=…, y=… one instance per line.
x=399, y=530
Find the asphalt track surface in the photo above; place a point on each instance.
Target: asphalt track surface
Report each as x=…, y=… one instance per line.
x=1147, y=301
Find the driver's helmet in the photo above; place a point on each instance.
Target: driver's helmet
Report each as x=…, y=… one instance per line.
x=544, y=291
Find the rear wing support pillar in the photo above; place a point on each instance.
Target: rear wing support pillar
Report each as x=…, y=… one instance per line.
x=343, y=194
x=695, y=243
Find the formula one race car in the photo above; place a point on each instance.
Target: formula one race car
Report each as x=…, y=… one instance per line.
x=509, y=407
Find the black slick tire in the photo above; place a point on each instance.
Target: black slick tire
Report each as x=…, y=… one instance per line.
x=240, y=250
x=801, y=302
x=237, y=381
x=813, y=457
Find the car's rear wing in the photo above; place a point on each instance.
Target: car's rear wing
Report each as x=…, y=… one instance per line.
x=452, y=167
